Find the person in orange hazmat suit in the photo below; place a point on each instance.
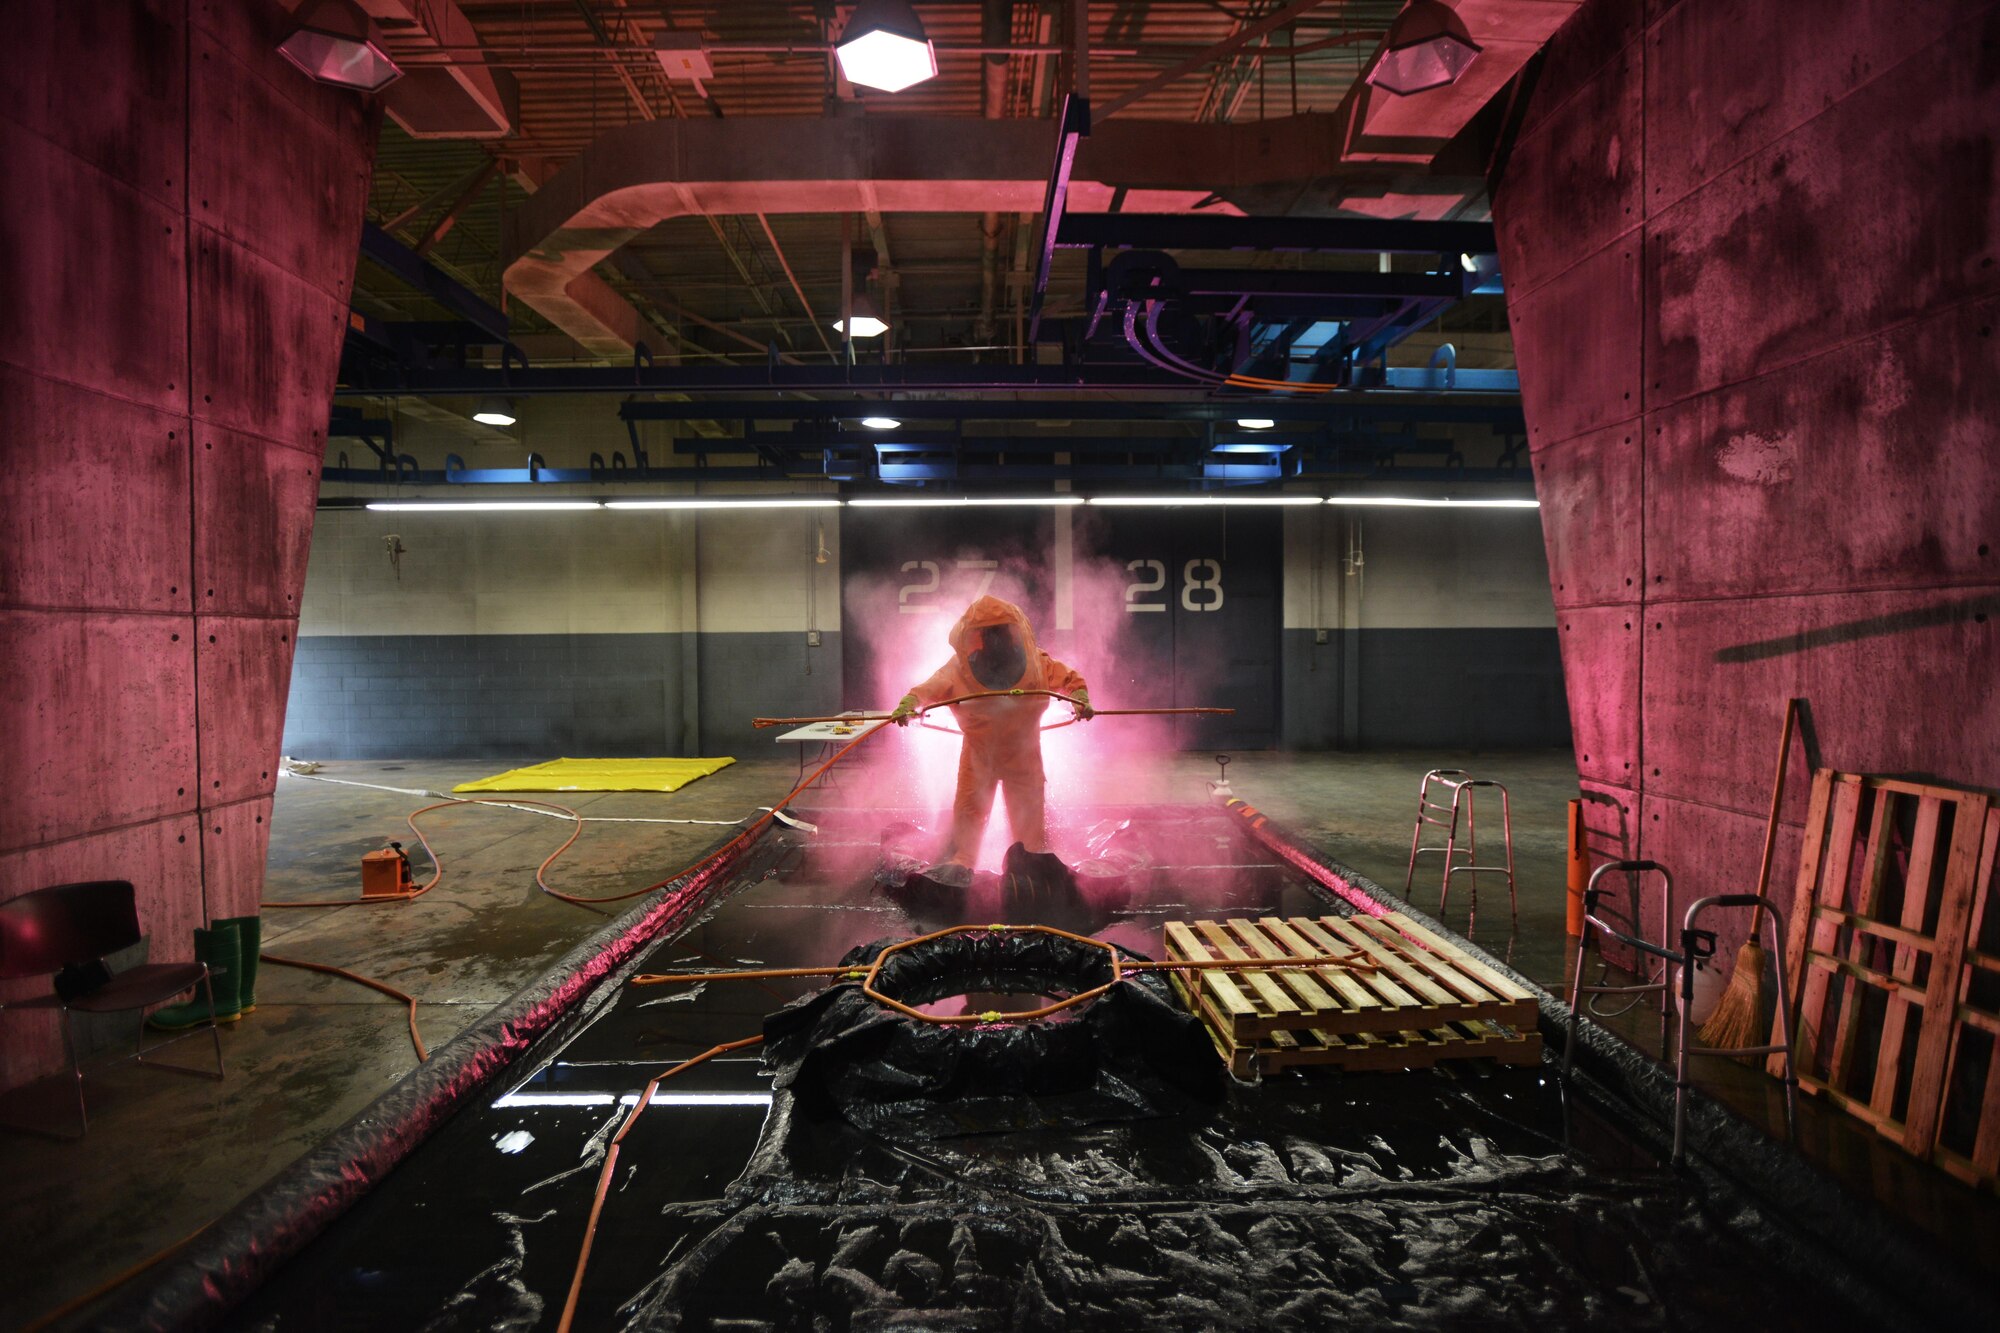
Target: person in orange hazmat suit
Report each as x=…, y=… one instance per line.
x=993, y=648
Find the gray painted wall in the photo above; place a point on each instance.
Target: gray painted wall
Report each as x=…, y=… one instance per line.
x=613, y=634
x=504, y=696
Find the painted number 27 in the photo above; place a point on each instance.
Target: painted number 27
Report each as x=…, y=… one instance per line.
x=1201, y=585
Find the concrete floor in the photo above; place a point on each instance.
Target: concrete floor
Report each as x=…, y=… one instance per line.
x=165, y=1155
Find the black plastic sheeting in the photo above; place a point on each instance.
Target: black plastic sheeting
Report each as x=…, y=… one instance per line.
x=200, y=1285
x=1131, y=1053
x=1846, y=1238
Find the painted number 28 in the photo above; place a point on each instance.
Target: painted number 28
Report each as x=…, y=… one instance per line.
x=1201, y=585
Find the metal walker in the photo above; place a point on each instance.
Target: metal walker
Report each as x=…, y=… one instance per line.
x=1464, y=789
x=1695, y=945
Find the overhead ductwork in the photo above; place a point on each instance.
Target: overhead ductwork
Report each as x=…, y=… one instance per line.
x=637, y=176
x=444, y=93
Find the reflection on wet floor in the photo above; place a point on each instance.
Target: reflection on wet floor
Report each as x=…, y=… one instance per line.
x=1461, y=1196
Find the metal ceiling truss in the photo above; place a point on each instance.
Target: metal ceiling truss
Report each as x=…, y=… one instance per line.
x=1362, y=441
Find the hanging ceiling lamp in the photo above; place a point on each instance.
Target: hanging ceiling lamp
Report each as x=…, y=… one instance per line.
x=1427, y=47
x=884, y=46
x=336, y=43
x=867, y=320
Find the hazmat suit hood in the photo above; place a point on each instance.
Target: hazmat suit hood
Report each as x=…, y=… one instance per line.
x=999, y=661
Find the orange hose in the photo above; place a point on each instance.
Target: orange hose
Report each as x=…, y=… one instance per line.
x=984, y=694
x=109, y=1285
x=416, y=1039
x=611, y=1163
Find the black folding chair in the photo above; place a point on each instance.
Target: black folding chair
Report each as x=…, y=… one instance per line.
x=74, y=925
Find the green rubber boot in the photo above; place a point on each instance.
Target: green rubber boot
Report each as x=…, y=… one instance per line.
x=221, y=947
x=251, y=929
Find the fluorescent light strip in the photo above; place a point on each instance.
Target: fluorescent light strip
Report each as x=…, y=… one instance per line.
x=1411, y=502
x=514, y=1099
x=723, y=503
x=477, y=506
x=1178, y=501
x=966, y=502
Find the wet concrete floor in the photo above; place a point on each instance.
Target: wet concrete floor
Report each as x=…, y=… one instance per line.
x=165, y=1154
x=1459, y=1197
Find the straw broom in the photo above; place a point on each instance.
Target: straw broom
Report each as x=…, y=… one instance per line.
x=1738, y=1019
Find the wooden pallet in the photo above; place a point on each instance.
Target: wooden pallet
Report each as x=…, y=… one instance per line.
x=1423, y=999
x=1882, y=955
x=1968, y=1142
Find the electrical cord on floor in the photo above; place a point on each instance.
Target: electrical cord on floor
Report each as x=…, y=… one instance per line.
x=111, y=1284
x=416, y=1038
x=508, y=805
x=611, y=1162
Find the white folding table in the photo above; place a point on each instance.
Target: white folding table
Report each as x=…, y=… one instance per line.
x=825, y=734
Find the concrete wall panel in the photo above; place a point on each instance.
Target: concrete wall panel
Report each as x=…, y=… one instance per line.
x=1611, y=822
x=1591, y=521
x=161, y=858
x=101, y=721
x=253, y=509
x=1713, y=92
x=1573, y=184
x=1838, y=473
x=245, y=669
x=127, y=118
x=235, y=840
x=116, y=335
x=1581, y=329
x=1886, y=673
x=1591, y=39
x=1711, y=851
x=82, y=463
x=231, y=105
x=250, y=33
x=95, y=276
x=266, y=345
x=1770, y=262
x=1600, y=656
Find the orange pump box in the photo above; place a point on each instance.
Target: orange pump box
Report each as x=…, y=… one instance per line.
x=385, y=874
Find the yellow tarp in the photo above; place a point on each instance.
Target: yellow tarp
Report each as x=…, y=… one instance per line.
x=600, y=775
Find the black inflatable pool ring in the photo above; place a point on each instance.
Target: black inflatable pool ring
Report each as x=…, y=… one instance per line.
x=1129, y=1053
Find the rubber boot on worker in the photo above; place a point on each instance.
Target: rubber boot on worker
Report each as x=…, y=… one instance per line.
x=251, y=929
x=221, y=947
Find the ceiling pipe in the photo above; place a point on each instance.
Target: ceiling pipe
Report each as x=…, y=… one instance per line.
x=639, y=175
x=995, y=27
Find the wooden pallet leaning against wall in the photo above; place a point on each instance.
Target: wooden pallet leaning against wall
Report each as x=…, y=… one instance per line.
x=1876, y=950
x=1968, y=1143
x=1423, y=1000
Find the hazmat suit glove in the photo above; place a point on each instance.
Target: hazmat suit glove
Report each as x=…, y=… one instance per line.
x=905, y=710
x=1079, y=703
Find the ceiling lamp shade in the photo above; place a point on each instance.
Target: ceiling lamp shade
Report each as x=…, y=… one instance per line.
x=1427, y=47
x=867, y=321
x=335, y=43
x=494, y=412
x=884, y=47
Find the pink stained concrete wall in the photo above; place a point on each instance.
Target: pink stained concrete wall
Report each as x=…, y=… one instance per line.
x=177, y=249
x=1751, y=262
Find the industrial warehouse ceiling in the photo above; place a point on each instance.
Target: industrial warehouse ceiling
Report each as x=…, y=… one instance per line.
x=562, y=175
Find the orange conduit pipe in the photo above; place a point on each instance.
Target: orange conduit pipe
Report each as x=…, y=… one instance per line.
x=611, y=1162
x=984, y=694
x=416, y=1039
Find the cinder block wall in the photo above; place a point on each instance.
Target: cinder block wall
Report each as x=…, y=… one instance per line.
x=176, y=261
x=509, y=635
x=1750, y=256
x=1437, y=626
x=530, y=635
